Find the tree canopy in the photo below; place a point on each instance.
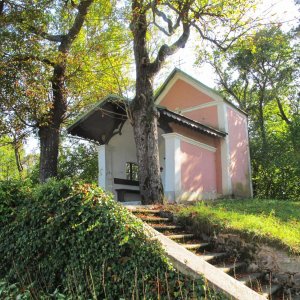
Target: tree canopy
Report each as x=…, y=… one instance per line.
x=57, y=57
x=261, y=74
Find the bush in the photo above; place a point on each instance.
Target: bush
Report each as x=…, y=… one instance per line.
x=75, y=239
x=13, y=193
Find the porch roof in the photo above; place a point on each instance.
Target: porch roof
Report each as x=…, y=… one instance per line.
x=182, y=120
x=108, y=116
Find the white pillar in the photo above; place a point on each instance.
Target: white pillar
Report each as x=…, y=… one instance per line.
x=249, y=160
x=102, y=165
x=225, y=151
x=172, y=167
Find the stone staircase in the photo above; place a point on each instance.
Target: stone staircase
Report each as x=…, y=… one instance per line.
x=228, y=263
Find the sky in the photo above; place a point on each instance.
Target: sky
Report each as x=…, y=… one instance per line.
x=284, y=11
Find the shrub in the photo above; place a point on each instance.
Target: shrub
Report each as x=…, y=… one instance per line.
x=77, y=240
x=12, y=194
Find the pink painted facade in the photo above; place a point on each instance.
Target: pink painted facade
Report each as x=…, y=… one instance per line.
x=205, y=115
x=183, y=95
x=239, y=153
x=198, y=170
x=224, y=169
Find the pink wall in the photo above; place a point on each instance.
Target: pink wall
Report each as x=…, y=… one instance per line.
x=198, y=169
x=206, y=115
x=219, y=167
x=194, y=135
x=239, y=153
x=183, y=95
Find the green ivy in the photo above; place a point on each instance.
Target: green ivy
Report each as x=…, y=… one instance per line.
x=75, y=240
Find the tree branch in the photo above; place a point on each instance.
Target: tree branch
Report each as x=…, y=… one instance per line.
x=282, y=112
x=32, y=57
x=166, y=50
x=2, y=7
x=50, y=37
x=23, y=121
x=77, y=25
x=67, y=39
x=171, y=27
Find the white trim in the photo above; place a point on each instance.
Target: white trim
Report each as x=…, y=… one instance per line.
x=225, y=150
x=191, y=141
x=204, y=105
x=172, y=167
x=222, y=117
x=249, y=159
x=237, y=111
x=102, y=166
x=166, y=90
x=190, y=81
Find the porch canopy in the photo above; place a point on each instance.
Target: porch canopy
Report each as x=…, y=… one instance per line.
x=107, y=118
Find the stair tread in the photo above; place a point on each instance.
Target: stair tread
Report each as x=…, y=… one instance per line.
x=146, y=211
x=194, y=246
x=211, y=256
x=180, y=236
x=157, y=226
x=250, y=277
x=230, y=267
x=266, y=290
x=151, y=219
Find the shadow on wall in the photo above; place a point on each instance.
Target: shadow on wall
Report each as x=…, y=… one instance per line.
x=198, y=172
x=239, y=154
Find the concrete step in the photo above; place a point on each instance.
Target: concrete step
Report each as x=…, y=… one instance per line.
x=195, y=246
x=179, y=237
x=232, y=268
x=251, y=279
x=268, y=291
x=213, y=256
x=165, y=227
x=146, y=211
x=155, y=219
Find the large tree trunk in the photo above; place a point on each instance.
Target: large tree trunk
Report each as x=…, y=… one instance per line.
x=146, y=139
x=49, y=133
x=144, y=113
x=49, y=143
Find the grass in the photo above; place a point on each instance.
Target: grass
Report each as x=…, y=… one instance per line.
x=273, y=221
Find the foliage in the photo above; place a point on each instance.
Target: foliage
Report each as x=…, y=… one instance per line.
x=13, y=194
x=8, y=166
x=11, y=291
x=56, y=57
x=78, y=161
x=76, y=240
x=274, y=221
x=260, y=73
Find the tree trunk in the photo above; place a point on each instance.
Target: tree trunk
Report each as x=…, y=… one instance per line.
x=262, y=128
x=49, y=143
x=144, y=113
x=49, y=133
x=146, y=140
x=18, y=158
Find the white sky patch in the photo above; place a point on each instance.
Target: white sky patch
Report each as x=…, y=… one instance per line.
x=32, y=145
